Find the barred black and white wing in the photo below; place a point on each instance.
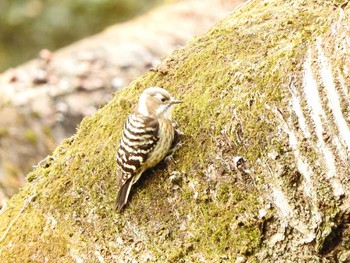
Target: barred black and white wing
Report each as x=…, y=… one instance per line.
x=140, y=137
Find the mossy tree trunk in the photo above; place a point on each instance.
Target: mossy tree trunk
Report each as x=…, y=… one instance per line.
x=262, y=174
x=38, y=100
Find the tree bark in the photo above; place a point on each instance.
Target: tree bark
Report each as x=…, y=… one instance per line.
x=262, y=172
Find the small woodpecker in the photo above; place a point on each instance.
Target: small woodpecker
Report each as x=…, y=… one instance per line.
x=147, y=138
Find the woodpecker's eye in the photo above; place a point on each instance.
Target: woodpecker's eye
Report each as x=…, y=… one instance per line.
x=163, y=99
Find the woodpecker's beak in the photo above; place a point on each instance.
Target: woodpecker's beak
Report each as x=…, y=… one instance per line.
x=175, y=101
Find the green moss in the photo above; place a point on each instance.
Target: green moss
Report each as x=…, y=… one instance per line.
x=229, y=80
x=224, y=229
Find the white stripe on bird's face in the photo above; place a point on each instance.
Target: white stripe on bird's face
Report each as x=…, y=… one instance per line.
x=142, y=106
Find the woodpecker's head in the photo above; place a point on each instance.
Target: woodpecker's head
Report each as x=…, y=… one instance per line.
x=156, y=102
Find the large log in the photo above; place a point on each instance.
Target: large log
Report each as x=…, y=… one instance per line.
x=42, y=102
x=262, y=174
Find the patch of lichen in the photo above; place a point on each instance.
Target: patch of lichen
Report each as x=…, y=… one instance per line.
x=228, y=78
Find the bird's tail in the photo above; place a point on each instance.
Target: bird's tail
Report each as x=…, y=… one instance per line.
x=123, y=195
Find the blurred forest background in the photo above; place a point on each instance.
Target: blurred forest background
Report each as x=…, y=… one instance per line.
x=31, y=25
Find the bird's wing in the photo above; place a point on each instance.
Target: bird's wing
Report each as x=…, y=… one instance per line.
x=140, y=136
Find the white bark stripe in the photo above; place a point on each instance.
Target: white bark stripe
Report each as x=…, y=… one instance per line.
x=282, y=203
x=313, y=100
x=312, y=97
x=299, y=112
x=332, y=95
